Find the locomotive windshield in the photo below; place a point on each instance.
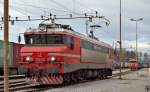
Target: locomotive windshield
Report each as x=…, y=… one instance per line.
x=47, y=39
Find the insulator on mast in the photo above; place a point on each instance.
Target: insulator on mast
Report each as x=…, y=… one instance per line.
x=50, y=15
x=16, y=18
x=12, y=22
x=85, y=14
x=70, y=15
x=29, y=18
x=96, y=13
x=2, y=18
x=54, y=16
x=53, y=20
x=1, y=27
x=90, y=19
x=9, y=18
x=42, y=17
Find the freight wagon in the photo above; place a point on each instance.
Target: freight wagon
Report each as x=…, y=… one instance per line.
x=13, y=57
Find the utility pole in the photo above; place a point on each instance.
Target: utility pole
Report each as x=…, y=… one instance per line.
x=120, y=58
x=136, y=21
x=5, y=45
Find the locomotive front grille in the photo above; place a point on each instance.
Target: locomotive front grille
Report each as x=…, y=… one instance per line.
x=40, y=59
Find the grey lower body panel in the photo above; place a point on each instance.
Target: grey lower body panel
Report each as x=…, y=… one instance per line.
x=73, y=67
x=90, y=60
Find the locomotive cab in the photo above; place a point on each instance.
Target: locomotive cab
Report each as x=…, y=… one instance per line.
x=45, y=48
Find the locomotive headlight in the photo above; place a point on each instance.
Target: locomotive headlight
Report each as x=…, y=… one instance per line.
x=52, y=59
x=28, y=58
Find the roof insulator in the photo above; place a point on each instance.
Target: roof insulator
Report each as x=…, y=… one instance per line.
x=107, y=24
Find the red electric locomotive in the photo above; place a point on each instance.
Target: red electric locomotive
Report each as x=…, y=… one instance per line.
x=56, y=54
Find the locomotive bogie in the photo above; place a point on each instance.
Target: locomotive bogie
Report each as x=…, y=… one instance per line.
x=74, y=76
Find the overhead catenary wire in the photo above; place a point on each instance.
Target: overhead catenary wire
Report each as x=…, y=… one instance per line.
x=17, y=6
x=18, y=9
x=64, y=10
x=42, y=9
x=24, y=11
x=57, y=3
x=47, y=18
x=48, y=10
x=54, y=17
x=84, y=6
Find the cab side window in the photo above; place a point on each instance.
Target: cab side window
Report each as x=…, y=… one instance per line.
x=69, y=41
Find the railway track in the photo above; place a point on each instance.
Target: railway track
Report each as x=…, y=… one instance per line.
x=13, y=77
x=18, y=83
x=123, y=72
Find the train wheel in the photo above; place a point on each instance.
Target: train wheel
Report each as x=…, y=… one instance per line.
x=104, y=73
x=74, y=77
x=85, y=74
x=66, y=78
x=80, y=75
x=100, y=74
x=95, y=73
x=90, y=73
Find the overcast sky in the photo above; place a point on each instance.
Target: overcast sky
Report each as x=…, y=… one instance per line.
x=108, y=8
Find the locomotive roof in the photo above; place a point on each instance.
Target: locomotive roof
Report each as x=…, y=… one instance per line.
x=67, y=30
